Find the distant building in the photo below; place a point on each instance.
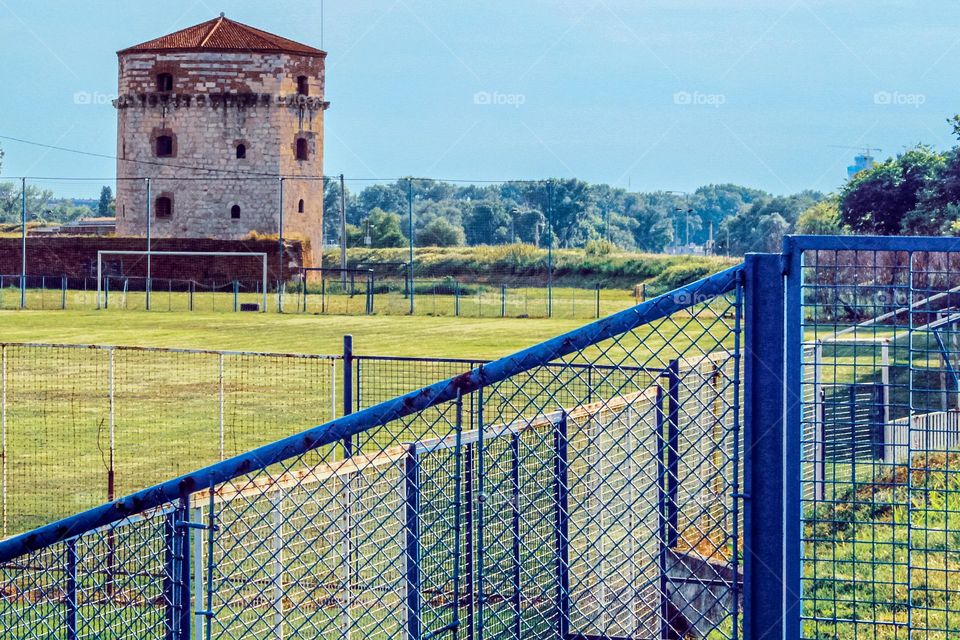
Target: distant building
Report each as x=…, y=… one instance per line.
x=861, y=162
x=212, y=114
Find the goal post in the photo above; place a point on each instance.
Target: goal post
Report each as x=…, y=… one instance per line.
x=208, y=254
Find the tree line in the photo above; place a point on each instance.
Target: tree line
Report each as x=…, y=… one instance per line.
x=916, y=192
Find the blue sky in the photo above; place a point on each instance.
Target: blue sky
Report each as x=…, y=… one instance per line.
x=654, y=94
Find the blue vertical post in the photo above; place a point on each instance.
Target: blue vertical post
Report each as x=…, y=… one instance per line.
x=347, y=389
x=852, y=407
x=23, y=243
x=176, y=576
x=71, y=589
x=771, y=427
x=469, y=559
x=481, y=598
x=879, y=403
x=410, y=230
x=63, y=292
x=673, y=453
x=662, y=516
x=184, y=570
x=561, y=495
x=169, y=569
x=412, y=482
x=515, y=600
x=236, y=296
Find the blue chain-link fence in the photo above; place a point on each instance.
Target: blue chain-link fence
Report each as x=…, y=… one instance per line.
x=771, y=452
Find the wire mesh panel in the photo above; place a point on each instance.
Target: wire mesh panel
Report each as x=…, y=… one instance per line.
x=881, y=521
x=107, y=421
x=583, y=488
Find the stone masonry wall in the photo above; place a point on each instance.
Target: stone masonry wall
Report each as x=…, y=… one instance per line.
x=220, y=100
x=76, y=257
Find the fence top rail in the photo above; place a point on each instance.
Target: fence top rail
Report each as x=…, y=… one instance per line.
x=224, y=254
x=224, y=352
x=473, y=362
x=792, y=243
x=337, y=430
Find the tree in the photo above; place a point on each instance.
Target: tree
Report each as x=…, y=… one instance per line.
x=821, y=219
x=385, y=229
x=106, y=205
x=652, y=228
x=878, y=200
x=487, y=222
x=440, y=232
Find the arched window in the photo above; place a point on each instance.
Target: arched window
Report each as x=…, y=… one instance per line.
x=164, y=146
x=241, y=151
x=302, y=150
x=300, y=206
x=164, y=82
x=163, y=207
x=235, y=212
x=303, y=86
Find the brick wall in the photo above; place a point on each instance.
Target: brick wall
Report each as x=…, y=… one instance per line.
x=76, y=257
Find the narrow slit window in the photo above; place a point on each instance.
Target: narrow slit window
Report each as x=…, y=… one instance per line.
x=235, y=212
x=300, y=206
x=164, y=146
x=302, y=151
x=163, y=207
x=241, y=151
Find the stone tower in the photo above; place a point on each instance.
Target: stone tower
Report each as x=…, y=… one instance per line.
x=214, y=115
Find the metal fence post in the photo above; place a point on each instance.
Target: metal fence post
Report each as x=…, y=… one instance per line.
x=412, y=484
x=63, y=292
x=515, y=598
x=222, y=397
x=3, y=435
x=503, y=300
x=561, y=495
x=469, y=560
x=347, y=389
x=673, y=453
x=276, y=577
x=662, y=517
x=236, y=296
x=772, y=436
x=71, y=595
x=597, y=313
x=23, y=243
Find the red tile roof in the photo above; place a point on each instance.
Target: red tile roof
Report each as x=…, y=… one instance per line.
x=223, y=34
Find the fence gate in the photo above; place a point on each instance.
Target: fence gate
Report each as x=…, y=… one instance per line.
x=871, y=344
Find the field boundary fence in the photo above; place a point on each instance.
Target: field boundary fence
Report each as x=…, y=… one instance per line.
x=728, y=460
x=585, y=486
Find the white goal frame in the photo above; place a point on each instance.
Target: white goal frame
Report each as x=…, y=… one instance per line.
x=149, y=254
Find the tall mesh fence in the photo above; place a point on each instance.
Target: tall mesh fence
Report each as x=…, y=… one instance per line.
x=880, y=455
x=520, y=499
x=82, y=424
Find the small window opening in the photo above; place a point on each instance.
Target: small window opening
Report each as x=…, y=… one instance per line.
x=300, y=206
x=303, y=86
x=164, y=146
x=163, y=207
x=302, y=149
x=241, y=151
x=164, y=82
x=235, y=212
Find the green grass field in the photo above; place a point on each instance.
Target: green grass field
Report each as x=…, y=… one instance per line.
x=286, y=333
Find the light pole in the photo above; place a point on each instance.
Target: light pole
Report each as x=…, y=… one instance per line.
x=410, y=230
x=148, y=283
x=280, y=253
x=23, y=243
